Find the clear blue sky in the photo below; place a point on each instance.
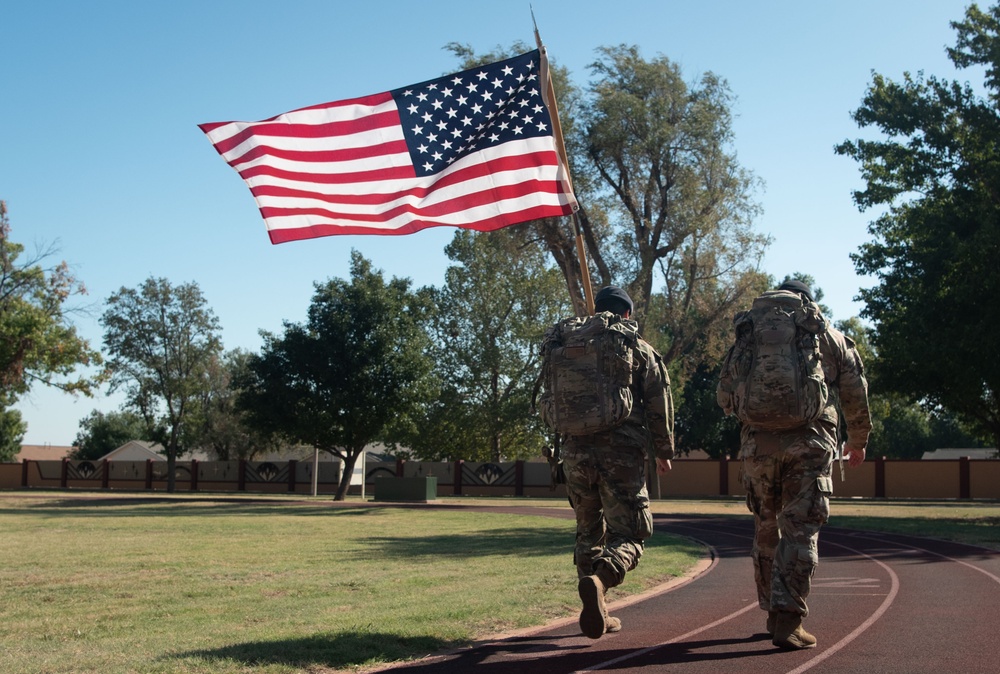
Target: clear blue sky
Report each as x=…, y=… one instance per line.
x=100, y=152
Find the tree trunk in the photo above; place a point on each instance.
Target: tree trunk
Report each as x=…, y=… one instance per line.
x=350, y=459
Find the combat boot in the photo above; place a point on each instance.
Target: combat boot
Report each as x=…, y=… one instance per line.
x=789, y=633
x=592, y=622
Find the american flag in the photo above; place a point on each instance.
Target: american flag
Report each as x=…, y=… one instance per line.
x=474, y=150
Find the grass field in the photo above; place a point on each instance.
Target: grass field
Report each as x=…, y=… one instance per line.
x=151, y=584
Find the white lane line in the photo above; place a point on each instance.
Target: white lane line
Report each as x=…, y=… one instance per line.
x=650, y=649
x=991, y=576
x=893, y=591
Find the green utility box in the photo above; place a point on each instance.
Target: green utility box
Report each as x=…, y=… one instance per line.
x=421, y=489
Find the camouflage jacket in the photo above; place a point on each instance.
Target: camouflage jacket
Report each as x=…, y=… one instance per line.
x=651, y=423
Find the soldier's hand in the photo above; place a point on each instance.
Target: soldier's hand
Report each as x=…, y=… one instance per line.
x=855, y=456
x=662, y=466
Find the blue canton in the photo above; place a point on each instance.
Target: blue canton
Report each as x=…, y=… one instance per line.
x=447, y=118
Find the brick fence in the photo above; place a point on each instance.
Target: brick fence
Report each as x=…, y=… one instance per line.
x=881, y=478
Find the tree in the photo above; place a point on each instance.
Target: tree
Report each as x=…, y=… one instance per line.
x=219, y=425
x=499, y=297
x=38, y=344
x=659, y=151
x=101, y=433
x=12, y=430
x=935, y=246
x=354, y=373
x=161, y=340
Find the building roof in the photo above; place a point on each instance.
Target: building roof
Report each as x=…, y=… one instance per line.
x=958, y=453
x=135, y=450
x=42, y=453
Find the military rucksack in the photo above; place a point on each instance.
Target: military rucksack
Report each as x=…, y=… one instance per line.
x=772, y=377
x=586, y=373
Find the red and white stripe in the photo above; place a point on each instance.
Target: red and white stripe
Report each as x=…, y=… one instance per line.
x=344, y=168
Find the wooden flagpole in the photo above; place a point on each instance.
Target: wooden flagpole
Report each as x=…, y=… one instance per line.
x=549, y=96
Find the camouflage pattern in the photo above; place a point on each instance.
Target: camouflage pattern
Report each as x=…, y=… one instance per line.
x=587, y=372
x=788, y=483
x=606, y=475
x=773, y=376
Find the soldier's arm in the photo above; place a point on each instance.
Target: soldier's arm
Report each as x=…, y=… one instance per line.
x=658, y=404
x=852, y=387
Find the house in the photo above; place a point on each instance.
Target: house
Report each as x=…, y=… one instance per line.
x=42, y=453
x=953, y=454
x=135, y=450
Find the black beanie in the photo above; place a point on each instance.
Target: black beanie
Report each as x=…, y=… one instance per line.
x=797, y=287
x=612, y=293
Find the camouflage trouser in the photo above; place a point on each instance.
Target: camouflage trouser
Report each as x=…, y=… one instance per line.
x=607, y=489
x=788, y=492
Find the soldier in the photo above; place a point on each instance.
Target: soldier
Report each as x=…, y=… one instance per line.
x=787, y=476
x=606, y=478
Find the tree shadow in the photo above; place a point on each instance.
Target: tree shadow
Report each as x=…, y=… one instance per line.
x=328, y=650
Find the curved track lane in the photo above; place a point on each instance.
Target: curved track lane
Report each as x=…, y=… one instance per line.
x=881, y=604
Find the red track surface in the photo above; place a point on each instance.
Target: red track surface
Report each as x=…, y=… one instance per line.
x=881, y=604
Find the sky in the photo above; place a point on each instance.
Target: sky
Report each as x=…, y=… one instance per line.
x=102, y=159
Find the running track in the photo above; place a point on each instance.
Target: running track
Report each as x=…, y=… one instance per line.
x=880, y=604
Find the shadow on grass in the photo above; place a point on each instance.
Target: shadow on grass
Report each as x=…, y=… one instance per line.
x=328, y=650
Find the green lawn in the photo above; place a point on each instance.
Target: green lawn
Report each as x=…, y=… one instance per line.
x=152, y=584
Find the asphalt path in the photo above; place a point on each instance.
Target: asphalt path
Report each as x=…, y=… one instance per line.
x=880, y=604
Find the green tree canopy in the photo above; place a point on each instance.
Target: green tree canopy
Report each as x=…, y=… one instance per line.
x=101, y=433
x=219, y=425
x=161, y=340
x=499, y=297
x=38, y=343
x=935, y=172
x=354, y=373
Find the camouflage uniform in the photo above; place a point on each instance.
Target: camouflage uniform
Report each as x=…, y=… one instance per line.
x=788, y=481
x=606, y=474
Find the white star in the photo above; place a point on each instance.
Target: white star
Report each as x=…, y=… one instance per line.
x=446, y=92
x=462, y=100
x=418, y=130
x=408, y=92
x=451, y=113
x=422, y=96
x=456, y=80
x=432, y=138
x=442, y=125
x=437, y=156
x=428, y=117
x=413, y=109
x=446, y=145
x=476, y=109
x=494, y=138
x=497, y=83
x=432, y=86
x=538, y=108
x=437, y=105
x=542, y=126
x=518, y=130
x=422, y=149
x=507, y=70
x=455, y=133
x=481, y=75
x=466, y=121
x=428, y=166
